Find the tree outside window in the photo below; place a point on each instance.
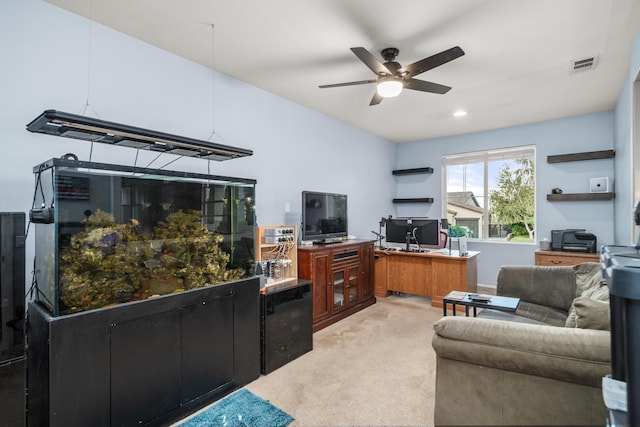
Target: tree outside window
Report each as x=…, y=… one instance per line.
x=490, y=195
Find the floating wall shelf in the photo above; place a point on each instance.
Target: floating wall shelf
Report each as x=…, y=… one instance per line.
x=414, y=200
x=577, y=197
x=574, y=157
x=412, y=171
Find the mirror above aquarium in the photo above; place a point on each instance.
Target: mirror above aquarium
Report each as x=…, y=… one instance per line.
x=110, y=234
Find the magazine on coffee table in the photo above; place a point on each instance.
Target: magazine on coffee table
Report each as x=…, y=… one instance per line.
x=456, y=295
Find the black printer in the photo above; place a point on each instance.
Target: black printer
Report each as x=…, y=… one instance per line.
x=573, y=240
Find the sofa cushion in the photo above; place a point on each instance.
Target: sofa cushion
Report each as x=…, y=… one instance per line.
x=592, y=314
x=598, y=291
x=544, y=285
x=488, y=313
x=546, y=315
x=588, y=275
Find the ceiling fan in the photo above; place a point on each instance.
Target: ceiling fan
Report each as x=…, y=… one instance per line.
x=393, y=77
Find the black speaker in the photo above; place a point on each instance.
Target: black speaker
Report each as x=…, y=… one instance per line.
x=444, y=223
x=12, y=284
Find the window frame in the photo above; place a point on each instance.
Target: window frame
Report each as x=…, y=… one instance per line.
x=484, y=156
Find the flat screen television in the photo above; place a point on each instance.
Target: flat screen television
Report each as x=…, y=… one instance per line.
x=421, y=231
x=324, y=217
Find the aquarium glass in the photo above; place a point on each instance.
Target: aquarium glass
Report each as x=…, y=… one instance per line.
x=119, y=234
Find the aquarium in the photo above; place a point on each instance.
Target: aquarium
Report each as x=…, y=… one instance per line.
x=110, y=234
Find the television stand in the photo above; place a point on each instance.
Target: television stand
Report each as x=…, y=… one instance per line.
x=329, y=240
x=342, y=276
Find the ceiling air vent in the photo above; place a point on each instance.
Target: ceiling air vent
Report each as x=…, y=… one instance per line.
x=583, y=64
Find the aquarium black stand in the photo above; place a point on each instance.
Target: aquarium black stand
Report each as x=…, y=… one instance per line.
x=143, y=363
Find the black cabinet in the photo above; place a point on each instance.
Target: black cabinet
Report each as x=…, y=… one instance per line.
x=144, y=363
x=12, y=285
x=287, y=324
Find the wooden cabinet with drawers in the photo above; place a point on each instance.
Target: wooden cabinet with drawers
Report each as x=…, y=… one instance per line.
x=556, y=258
x=342, y=276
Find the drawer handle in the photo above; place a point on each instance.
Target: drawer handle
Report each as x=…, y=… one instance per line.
x=555, y=261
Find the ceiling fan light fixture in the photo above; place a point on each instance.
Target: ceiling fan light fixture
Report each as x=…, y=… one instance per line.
x=389, y=87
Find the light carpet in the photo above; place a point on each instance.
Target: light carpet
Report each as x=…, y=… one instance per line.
x=374, y=368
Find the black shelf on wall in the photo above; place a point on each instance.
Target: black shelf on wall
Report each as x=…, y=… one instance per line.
x=414, y=200
x=413, y=171
x=575, y=157
x=578, y=197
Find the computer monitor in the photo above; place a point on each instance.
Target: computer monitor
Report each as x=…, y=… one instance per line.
x=421, y=231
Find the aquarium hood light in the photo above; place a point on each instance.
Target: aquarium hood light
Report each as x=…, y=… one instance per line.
x=58, y=123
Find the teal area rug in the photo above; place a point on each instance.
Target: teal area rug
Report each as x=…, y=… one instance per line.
x=240, y=409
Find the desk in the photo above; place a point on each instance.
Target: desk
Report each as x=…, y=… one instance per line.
x=433, y=274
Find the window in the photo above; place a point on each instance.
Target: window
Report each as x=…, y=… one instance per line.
x=490, y=195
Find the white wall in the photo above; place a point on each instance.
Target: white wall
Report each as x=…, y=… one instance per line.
x=577, y=134
x=52, y=59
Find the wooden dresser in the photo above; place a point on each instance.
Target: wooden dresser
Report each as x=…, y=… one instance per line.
x=555, y=258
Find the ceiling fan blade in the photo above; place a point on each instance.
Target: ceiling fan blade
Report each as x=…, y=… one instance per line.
x=433, y=61
x=377, y=99
x=370, y=61
x=423, y=86
x=361, y=82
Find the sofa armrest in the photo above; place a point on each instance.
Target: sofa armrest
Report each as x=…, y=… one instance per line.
x=495, y=372
x=548, y=286
x=580, y=356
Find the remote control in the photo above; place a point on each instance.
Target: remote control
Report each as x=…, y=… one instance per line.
x=479, y=298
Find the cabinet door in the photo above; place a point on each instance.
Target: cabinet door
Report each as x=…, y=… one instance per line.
x=366, y=272
x=346, y=286
x=450, y=274
x=337, y=287
x=380, y=275
x=322, y=295
x=135, y=372
x=354, y=283
x=409, y=274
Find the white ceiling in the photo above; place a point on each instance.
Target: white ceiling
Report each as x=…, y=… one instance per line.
x=516, y=69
